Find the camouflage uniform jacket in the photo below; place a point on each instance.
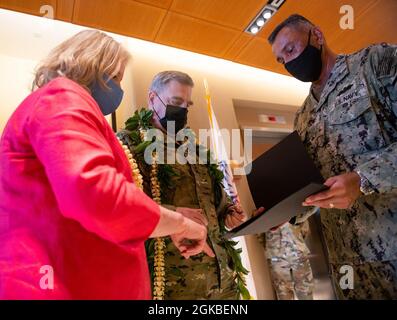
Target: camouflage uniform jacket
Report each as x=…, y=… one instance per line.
x=353, y=127
x=286, y=242
x=199, y=277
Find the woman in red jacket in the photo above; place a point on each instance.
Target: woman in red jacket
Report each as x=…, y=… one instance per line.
x=72, y=222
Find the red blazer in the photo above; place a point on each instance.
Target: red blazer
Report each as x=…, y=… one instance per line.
x=68, y=201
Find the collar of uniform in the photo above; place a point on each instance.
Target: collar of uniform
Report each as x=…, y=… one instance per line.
x=338, y=73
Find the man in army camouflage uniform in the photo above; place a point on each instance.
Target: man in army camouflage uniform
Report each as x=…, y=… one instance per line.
x=191, y=192
x=288, y=258
x=349, y=126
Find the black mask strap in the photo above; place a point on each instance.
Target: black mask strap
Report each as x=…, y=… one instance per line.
x=155, y=108
x=161, y=100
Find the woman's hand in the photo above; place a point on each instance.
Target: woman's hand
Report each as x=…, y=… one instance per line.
x=192, y=240
x=196, y=215
x=189, y=236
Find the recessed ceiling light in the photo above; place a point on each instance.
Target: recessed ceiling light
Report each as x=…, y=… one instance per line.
x=277, y=3
x=263, y=16
x=254, y=30
x=260, y=22
x=267, y=14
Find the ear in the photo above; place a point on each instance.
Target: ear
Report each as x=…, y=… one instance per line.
x=318, y=35
x=151, y=97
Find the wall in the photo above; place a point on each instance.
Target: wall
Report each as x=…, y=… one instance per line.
x=17, y=76
x=249, y=117
x=227, y=81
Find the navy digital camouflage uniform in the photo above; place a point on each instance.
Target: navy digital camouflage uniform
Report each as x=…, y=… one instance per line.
x=353, y=127
x=288, y=258
x=200, y=276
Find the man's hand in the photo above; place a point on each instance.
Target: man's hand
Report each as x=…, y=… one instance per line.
x=344, y=191
x=192, y=240
x=234, y=216
x=196, y=215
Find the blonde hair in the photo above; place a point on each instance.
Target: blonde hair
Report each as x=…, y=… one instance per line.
x=84, y=58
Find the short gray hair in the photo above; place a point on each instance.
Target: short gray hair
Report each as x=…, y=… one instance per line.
x=295, y=21
x=163, y=78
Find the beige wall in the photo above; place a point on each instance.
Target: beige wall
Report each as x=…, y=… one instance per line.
x=16, y=81
x=227, y=81
x=249, y=117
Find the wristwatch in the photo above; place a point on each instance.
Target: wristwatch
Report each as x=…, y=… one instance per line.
x=365, y=186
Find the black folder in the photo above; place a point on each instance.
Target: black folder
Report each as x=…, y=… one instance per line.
x=280, y=180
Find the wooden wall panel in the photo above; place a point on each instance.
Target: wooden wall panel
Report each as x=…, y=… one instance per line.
x=158, y=3
x=235, y=14
x=27, y=6
x=257, y=53
x=234, y=50
x=125, y=17
x=64, y=10
x=196, y=35
x=375, y=22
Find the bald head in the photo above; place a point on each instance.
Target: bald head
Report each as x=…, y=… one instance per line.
x=291, y=37
x=295, y=22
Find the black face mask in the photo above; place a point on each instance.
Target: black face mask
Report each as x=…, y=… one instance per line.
x=173, y=113
x=307, y=66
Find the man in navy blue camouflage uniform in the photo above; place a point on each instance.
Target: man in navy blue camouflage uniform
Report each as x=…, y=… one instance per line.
x=348, y=124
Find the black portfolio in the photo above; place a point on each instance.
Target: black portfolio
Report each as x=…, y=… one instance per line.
x=280, y=180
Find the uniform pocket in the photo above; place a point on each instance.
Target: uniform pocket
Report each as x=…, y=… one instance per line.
x=354, y=128
x=344, y=112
